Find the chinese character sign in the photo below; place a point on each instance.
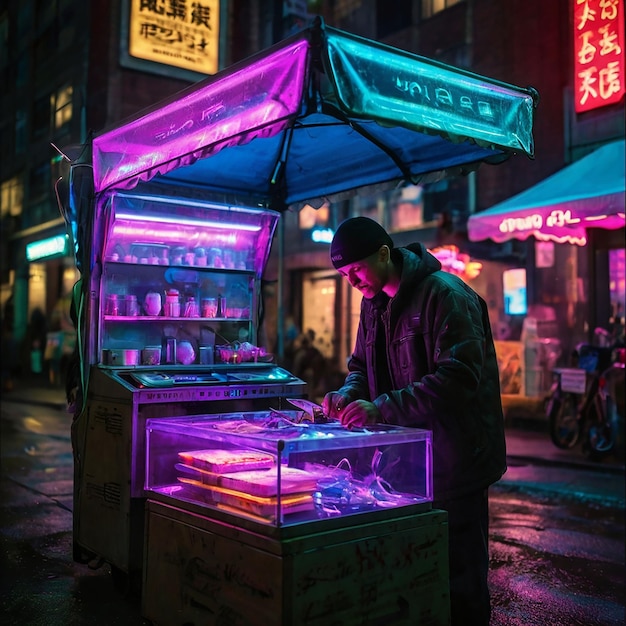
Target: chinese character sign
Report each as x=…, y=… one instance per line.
x=183, y=34
x=599, y=53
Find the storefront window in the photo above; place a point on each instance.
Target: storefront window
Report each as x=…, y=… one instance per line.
x=430, y=7
x=407, y=211
x=514, y=284
x=310, y=218
x=318, y=309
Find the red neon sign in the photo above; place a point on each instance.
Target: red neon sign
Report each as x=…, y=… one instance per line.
x=599, y=76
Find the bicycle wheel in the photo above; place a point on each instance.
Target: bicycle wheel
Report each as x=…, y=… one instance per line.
x=563, y=422
x=600, y=435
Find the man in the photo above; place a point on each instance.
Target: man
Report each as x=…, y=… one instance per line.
x=424, y=357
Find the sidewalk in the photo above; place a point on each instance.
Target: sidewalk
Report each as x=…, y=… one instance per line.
x=41, y=393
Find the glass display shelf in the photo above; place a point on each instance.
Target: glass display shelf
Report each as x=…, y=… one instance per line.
x=279, y=468
x=163, y=318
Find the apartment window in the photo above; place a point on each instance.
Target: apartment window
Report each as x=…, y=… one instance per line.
x=11, y=197
x=22, y=69
x=41, y=117
x=39, y=183
x=45, y=13
x=391, y=21
x=20, y=131
x=61, y=104
x=46, y=46
x=430, y=7
x=344, y=8
x=4, y=41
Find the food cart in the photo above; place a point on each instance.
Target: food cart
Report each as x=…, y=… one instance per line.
x=194, y=472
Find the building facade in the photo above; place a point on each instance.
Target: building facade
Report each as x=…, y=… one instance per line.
x=71, y=71
x=523, y=42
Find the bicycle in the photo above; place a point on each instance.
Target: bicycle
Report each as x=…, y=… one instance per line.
x=585, y=403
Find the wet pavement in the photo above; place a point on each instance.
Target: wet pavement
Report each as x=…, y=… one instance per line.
x=37, y=505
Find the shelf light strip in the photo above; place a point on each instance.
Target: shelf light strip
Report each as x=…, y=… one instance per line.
x=187, y=222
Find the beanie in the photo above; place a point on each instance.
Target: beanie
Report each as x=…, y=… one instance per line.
x=355, y=239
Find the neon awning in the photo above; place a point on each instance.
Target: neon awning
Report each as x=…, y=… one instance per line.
x=589, y=193
x=315, y=117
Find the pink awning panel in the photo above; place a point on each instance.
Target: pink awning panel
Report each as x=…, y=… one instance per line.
x=255, y=101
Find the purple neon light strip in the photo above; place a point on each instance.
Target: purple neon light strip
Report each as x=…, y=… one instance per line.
x=256, y=101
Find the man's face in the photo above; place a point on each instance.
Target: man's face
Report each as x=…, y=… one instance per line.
x=368, y=275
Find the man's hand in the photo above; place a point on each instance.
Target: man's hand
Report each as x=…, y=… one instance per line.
x=333, y=404
x=359, y=413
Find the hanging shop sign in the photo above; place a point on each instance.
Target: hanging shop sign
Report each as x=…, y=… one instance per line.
x=46, y=248
x=599, y=68
x=172, y=35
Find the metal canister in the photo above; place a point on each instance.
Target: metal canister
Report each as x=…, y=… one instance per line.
x=132, y=308
x=206, y=355
x=221, y=306
x=168, y=350
x=112, y=305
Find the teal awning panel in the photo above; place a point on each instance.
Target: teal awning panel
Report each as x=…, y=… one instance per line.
x=398, y=88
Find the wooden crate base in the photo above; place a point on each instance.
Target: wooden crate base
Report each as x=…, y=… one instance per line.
x=202, y=572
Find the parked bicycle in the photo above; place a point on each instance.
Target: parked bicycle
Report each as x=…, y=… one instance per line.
x=586, y=402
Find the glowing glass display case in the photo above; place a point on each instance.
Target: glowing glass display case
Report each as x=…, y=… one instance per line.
x=181, y=282
x=278, y=468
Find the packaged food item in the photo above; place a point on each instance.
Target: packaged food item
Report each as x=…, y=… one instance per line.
x=238, y=501
x=131, y=306
x=172, y=303
x=262, y=482
x=185, y=353
x=151, y=355
x=152, y=303
x=191, y=308
x=227, y=460
x=209, y=307
x=112, y=305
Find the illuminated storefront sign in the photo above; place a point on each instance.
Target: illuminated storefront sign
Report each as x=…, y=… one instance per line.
x=456, y=262
x=181, y=34
x=599, y=69
x=53, y=246
x=322, y=235
x=534, y=221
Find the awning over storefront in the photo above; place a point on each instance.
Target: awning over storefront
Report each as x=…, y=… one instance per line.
x=586, y=194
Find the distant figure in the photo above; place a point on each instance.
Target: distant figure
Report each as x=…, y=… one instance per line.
x=308, y=361
x=8, y=357
x=291, y=337
x=36, y=340
x=60, y=340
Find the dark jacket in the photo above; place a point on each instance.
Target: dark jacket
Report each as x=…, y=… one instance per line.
x=444, y=372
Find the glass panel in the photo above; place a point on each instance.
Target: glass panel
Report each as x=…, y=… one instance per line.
x=189, y=234
x=280, y=468
x=180, y=281
x=393, y=87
